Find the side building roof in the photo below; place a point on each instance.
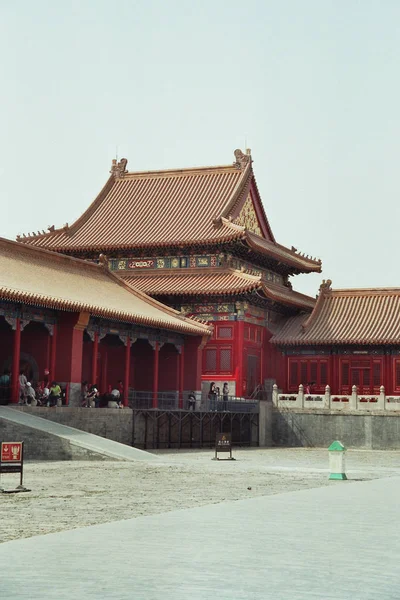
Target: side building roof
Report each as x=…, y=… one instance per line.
x=359, y=316
x=175, y=208
x=39, y=277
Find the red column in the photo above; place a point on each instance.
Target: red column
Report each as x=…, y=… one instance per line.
x=263, y=349
x=104, y=383
x=239, y=358
x=181, y=375
x=127, y=369
x=155, y=375
x=53, y=355
x=15, y=362
x=94, y=358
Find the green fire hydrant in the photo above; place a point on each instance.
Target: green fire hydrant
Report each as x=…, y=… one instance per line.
x=337, y=461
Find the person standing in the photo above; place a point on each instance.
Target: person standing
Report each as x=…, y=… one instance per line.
x=5, y=383
x=22, y=381
x=212, y=396
x=55, y=394
x=225, y=397
x=192, y=401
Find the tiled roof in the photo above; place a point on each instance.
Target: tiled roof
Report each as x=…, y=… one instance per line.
x=370, y=316
x=182, y=208
x=153, y=209
x=35, y=276
x=217, y=282
x=282, y=253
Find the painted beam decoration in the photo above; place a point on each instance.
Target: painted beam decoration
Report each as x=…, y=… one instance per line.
x=191, y=262
x=164, y=262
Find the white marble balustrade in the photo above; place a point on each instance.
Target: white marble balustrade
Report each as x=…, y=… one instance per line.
x=340, y=402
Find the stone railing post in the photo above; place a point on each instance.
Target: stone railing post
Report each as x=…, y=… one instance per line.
x=353, y=398
x=327, y=399
x=382, y=398
x=275, y=395
x=300, y=396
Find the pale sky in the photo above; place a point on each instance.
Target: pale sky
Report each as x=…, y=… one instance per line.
x=312, y=85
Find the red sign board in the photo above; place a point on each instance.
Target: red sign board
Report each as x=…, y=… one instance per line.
x=11, y=452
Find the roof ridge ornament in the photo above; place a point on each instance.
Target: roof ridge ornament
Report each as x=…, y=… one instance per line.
x=118, y=169
x=325, y=286
x=103, y=261
x=242, y=160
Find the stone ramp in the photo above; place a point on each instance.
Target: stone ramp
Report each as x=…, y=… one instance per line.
x=47, y=440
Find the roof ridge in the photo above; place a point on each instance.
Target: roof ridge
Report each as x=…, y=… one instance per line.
x=31, y=249
x=180, y=170
x=240, y=191
x=363, y=291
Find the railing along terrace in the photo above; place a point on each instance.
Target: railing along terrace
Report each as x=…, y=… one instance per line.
x=146, y=400
x=328, y=401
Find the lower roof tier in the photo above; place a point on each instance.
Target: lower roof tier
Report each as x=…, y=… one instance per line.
x=217, y=282
x=38, y=277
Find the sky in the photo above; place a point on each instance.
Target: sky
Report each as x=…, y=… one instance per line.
x=311, y=86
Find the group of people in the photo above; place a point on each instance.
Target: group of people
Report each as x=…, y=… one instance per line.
x=214, y=396
x=91, y=397
x=44, y=393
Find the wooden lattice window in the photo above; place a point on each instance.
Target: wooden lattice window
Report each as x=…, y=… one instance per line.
x=345, y=373
x=211, y=360
x=303, y=373
x=224, y=332
x=313, y=372
x=376, y=374
x=396, y=368
x=293, y=373
x=323, y=373
x=225, y=359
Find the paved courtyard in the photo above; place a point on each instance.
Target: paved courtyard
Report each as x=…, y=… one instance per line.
x=193, y=529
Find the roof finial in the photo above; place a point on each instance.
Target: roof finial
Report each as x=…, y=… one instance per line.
x=118, y=169
x=242, y=160
x=325, y=286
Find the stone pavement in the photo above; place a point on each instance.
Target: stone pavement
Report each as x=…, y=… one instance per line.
x=339, y=542
x=76, y=437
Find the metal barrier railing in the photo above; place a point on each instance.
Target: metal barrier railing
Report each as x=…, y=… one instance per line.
x=173, y=401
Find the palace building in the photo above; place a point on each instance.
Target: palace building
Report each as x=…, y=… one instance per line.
x=199, y=241
x=72, y=320
x=352, y=338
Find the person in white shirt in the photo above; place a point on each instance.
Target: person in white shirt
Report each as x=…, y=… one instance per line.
x=22, y=380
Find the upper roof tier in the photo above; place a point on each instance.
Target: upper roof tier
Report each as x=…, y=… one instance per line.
x=370, y=316
x=175, y=208
x=39, y=277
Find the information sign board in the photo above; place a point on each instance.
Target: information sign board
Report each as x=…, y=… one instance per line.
x=223, y=443
x=12, y=458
